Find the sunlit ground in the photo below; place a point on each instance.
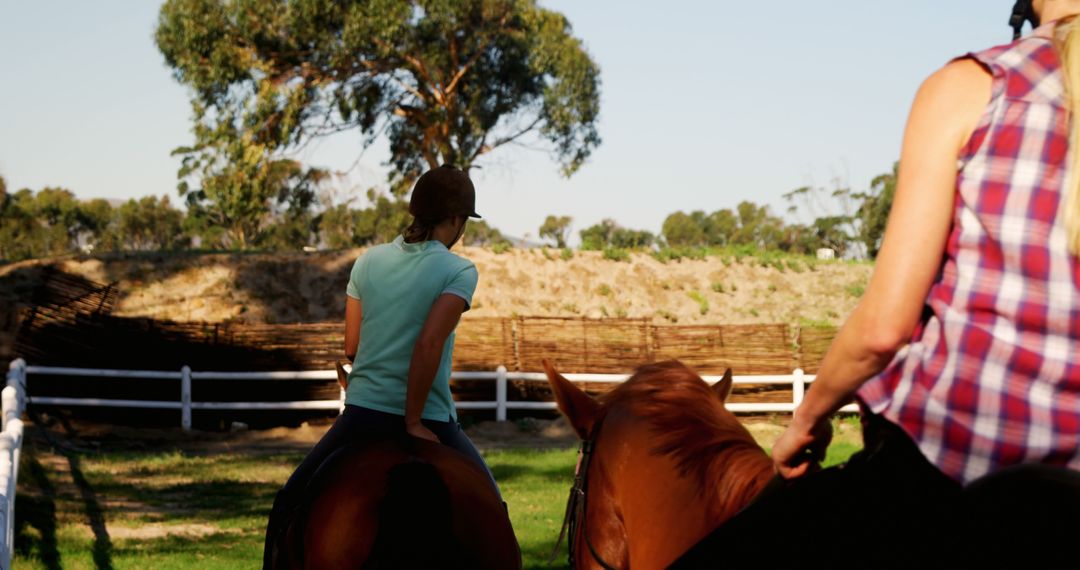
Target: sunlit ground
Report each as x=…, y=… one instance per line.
x=165, y=510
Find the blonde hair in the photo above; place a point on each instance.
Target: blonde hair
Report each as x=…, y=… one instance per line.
x=1067, y=42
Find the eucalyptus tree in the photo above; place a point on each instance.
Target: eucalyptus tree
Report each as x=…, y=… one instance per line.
x=444, y=81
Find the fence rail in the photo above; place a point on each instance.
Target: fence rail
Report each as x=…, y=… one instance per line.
x=501, y=404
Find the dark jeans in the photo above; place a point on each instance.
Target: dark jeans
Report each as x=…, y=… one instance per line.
x=356, y=422
x=888, y=507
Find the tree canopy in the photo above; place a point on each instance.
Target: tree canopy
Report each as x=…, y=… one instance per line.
x=608, y=233
x=749, y=224
x=446, y=81
x=557, y=229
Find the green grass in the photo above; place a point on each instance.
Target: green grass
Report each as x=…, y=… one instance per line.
x=535, y=485
x=228, y=496
x=855, y=289
x=215, y=504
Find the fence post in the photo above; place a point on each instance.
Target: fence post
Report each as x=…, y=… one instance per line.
x=16, y=375
x=9, y=405
x=15, y=428
x=7, y=446
x=20, y=385
x=798, y=387
x=185, y=398
x=500, y=394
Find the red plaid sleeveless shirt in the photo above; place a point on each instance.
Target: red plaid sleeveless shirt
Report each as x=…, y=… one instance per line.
x=992, y=374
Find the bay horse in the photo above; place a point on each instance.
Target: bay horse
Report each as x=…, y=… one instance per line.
x=398, y=502
x=664, y=464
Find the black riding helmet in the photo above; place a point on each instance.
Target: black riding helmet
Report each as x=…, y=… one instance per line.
x=1022, y=12
x=441, y=193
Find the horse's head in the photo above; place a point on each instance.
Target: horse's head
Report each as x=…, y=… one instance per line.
x=648, y=453
x=582, y=409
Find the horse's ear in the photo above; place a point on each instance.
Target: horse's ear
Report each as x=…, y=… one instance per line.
x=577, y=406
x=723, y=387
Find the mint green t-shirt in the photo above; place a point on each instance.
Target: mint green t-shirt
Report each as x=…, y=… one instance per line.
x=397, y=283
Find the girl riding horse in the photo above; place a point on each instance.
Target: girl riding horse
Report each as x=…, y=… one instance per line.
x=964, y=350
x=404, y=300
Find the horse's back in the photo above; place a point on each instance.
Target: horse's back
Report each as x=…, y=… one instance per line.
x=1027, y=514
x=403, y=502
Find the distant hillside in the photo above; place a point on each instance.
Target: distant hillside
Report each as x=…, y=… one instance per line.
x=287, y=288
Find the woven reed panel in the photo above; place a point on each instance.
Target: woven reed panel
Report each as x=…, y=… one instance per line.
x=483, y=344
x=813, y=343
x=746, y=349
x=581, y=345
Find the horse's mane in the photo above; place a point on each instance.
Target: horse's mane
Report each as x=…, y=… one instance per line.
x=689, y=424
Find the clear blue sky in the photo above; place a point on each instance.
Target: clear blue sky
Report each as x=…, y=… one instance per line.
x=704, y=104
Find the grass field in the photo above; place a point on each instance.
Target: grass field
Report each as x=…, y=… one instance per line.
x=173, y=510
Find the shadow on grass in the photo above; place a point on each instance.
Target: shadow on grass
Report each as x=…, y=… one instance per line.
x=508, y=473
x=221, y=546
x=95, y=516
x=37, y=510
x=192, y=502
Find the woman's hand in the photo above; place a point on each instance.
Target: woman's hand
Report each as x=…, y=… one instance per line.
x=801, y=447
x=417, y=429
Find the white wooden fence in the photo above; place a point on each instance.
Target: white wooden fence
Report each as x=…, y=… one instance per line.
x=12, y=404
x=500, y=404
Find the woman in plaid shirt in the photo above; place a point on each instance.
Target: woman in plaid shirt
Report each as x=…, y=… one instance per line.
x=964, y=352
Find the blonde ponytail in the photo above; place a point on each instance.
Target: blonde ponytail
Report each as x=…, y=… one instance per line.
x=1067, y=40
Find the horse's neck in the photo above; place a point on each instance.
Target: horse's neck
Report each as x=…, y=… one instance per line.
x=745, y=472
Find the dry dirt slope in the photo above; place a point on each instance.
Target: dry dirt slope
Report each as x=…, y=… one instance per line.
x=287, y=288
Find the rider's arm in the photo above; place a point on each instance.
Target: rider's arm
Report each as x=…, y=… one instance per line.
x=945, y=113
x=354, y=314
x=427, y=352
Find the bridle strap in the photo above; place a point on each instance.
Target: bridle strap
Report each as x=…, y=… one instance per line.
x=577, y=507
x=570, y=506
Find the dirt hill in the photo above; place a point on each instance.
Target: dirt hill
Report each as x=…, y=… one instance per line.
x=289, y=288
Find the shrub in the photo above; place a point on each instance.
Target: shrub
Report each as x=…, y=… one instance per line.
x=703, y=303
x=718, y=287
x=501, y=247
x=667, y=315
x=814, y=323
x=616, y=254
x=567, y=254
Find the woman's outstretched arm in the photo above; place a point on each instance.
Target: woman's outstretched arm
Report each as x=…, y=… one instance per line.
x=945, y=113
x=354, y=314
x=427, y=352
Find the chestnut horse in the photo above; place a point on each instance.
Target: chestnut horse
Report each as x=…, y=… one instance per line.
x=399, y=502
x=669, y=465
